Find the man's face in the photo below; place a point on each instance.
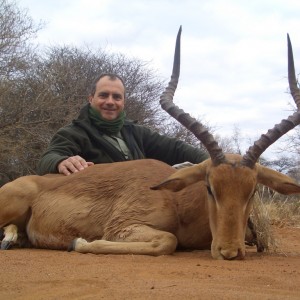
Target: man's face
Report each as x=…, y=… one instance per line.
x=108, y=99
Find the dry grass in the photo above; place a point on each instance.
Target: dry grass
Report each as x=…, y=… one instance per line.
x=271, y=209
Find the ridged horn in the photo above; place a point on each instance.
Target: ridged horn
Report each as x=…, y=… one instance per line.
x=199, y=130
x=254, y=152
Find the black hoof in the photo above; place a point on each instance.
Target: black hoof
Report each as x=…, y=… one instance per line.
x=72, y=246
x=1, y=233
x=5, y=245
x=260, y=248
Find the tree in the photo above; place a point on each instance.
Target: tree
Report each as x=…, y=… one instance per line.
x=281, y=164
x=17, y=30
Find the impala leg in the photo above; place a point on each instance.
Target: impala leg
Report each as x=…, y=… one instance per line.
x=10, y=234
x=134, y=239
x=254, y=240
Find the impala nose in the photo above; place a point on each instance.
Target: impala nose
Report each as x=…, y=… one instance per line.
x=230, y=254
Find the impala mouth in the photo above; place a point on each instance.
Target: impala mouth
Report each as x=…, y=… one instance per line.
x=232, y=255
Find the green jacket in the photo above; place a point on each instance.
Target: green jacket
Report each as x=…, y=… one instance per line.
x=84, y=139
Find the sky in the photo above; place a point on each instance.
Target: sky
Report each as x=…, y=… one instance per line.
x=233, y=52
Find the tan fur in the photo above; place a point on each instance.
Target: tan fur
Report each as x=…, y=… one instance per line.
x=110, y=208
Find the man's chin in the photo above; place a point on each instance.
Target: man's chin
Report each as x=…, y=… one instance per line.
x=109, y=117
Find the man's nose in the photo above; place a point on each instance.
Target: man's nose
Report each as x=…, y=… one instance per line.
x=110, y=100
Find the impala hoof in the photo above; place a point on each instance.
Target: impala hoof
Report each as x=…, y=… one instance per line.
x=72, y=246
x=6, y=245
x=75, y=243
x=1, y=233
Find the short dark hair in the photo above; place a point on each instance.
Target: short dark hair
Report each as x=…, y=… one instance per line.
x=112, y=76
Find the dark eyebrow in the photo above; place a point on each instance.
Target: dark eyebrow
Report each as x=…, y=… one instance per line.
x=103, y=93
x=117, y=94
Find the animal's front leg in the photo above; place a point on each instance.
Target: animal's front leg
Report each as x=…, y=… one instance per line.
x=10, y=236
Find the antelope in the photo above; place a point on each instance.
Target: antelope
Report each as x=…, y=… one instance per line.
x=146, y=206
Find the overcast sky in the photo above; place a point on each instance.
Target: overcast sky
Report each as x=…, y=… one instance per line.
x=234, y=53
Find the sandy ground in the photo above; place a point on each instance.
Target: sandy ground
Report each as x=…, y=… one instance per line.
x=48, y=274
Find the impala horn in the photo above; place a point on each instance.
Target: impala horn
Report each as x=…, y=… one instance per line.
x=199, y=130
x=254, y=152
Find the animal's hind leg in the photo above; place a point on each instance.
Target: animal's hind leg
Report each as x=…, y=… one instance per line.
x=134, y=239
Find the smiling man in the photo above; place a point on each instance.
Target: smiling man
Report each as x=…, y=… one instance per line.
x=102, y=134
x=109, y=97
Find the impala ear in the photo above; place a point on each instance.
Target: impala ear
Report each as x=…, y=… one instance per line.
x=174, y=185
x=183, y=178
x=279, y=182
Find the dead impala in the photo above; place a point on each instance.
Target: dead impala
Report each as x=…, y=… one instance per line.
x=146, y=206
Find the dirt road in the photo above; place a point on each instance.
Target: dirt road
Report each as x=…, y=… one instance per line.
x=48, y=274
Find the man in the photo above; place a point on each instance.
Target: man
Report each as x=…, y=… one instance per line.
x=101, y=134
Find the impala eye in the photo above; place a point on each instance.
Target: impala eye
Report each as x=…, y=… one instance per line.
x=209, y=190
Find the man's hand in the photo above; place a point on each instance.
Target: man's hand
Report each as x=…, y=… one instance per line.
x=73, y=164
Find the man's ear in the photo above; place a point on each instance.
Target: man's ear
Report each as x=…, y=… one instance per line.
x=90, y=98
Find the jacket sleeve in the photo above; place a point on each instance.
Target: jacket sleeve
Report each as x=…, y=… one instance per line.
x=62, y=146
x=170, y=150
